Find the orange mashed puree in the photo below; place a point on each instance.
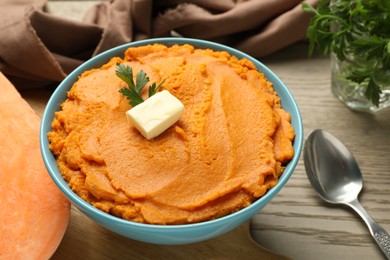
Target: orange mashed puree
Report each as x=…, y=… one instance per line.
x=229, y=147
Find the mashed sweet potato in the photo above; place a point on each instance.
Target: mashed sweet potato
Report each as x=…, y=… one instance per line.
x=229, y=147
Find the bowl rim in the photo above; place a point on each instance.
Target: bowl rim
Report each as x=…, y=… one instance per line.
x=102, y=58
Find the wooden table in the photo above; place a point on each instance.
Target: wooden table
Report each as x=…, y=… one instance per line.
x=296, y=224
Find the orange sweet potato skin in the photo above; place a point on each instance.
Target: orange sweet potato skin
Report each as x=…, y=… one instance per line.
x=33, y=212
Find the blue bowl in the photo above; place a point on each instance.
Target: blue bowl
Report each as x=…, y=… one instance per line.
x=172, y=234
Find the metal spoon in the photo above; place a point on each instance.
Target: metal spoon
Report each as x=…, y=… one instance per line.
x=334, y=173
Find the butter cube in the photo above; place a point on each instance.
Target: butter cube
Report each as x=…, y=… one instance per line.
x=156, y=114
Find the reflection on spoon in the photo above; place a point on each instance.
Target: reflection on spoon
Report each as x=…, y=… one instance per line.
x=334, y=174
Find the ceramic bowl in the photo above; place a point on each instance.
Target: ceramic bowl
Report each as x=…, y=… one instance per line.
x=167, y=234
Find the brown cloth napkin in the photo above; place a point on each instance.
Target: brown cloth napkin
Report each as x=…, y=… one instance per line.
x=37, y=48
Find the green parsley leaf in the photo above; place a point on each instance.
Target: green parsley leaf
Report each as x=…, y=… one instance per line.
x=373, y=91
x=125, y=73
x=133, y=90
x=154, y=88
x=141, y=80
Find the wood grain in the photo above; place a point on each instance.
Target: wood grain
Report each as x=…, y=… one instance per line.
x=297, y=223
x=86, y=240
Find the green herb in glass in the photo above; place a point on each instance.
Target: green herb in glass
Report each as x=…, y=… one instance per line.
x=354, y=28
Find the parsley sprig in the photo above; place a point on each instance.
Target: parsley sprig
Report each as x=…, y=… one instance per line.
x=133, y=89
x=354, y=29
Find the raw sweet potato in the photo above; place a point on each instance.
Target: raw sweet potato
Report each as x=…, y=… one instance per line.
x=34, y=214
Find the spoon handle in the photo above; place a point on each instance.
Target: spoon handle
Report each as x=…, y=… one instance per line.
x=380, y=235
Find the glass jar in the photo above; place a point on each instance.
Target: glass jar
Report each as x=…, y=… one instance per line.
x=369, y=68
x=352, y=94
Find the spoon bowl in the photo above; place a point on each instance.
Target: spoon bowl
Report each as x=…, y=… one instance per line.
x=335, y=175
x=331, y=168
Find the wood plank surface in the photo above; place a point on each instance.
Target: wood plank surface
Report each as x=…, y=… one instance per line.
x=296, y=223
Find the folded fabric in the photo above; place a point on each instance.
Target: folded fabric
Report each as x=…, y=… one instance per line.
x=38, y=48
